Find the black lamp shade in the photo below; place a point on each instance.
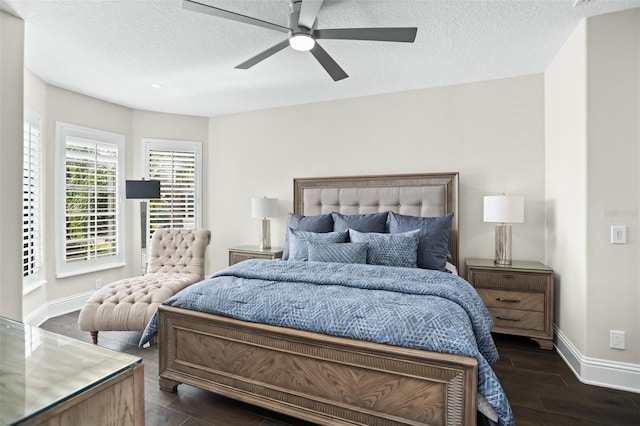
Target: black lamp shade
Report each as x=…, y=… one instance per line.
x=142, y=189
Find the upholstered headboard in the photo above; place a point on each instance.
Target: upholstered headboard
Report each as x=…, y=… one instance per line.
x=426, y=195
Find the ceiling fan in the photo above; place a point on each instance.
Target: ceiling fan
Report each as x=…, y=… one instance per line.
x=303, y=34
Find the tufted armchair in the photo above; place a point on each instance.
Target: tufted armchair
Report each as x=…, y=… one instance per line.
x=176, y=261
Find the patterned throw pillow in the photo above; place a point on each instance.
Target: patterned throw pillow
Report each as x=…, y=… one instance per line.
x=390, y=249
x=338, y=252
x=299, y=241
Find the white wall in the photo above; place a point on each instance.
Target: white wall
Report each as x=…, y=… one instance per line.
x=613, y=79
x=566, y=183
x=592, y=181
x=11, y=131
x=491, y=132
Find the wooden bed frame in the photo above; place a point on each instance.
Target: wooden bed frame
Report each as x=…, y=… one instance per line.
x=324, y=379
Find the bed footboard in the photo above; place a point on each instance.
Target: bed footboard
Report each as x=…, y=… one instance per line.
x=322, y=379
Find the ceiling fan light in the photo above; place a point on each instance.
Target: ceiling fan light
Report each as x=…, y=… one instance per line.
x=301, y=41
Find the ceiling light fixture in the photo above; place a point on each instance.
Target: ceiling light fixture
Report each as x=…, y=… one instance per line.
x=301, y=41
x=156, y=85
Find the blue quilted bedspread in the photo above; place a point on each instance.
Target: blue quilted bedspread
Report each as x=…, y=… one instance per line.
x=409, y=307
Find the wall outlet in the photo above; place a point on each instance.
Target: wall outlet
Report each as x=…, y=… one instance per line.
x=97, y=283
x=616, y=339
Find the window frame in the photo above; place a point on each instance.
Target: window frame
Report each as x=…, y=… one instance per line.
x=175, y=145
x=35, y=279
x=63, y=267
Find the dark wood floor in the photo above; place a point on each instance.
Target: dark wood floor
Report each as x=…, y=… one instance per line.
x=540, y=387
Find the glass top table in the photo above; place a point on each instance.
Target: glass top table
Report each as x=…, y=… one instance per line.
x=40, y=369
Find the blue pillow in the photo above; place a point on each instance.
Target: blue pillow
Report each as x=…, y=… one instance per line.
x=433, y=248
x=299, y=241
x=319, y=223
x=389, y=249
x=369, y=222
x=338, y=252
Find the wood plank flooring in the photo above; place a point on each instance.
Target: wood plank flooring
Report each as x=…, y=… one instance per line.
x=541, y=388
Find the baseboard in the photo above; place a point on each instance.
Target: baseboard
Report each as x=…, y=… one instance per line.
x=599, y=372
x=57, y=307
x=38, y=316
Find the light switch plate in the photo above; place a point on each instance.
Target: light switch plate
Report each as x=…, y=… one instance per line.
x=619, y=234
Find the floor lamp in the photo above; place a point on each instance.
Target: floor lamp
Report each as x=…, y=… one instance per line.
x=143, y=190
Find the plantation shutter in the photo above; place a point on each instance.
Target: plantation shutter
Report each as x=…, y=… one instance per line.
x=91, y=226
x=31, y=200
x=176, y=171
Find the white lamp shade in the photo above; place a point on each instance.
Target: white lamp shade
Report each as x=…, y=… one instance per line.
x=503, y=209
x=264, y=207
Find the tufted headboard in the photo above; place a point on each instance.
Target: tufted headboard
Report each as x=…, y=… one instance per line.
x=426, y=195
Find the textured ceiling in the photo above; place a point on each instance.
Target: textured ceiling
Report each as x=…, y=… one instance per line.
x=115, y=50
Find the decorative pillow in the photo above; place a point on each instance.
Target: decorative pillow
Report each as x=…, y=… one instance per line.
x=389, y=249
x=338, y=252
x=320, y=223
x=370, y=222
x=433, y=248
x=299, y=241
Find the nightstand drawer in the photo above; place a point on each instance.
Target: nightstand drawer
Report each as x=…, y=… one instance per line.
x=512, y=299
x=510, y=280
x=516, y=318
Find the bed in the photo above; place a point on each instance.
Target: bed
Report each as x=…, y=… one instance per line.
x=318, y=377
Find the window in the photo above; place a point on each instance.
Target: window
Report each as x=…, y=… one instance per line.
x=90, y=187
x=32, y=201
x=176, y=164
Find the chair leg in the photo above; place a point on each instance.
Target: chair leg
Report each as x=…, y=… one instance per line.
x=94, y=337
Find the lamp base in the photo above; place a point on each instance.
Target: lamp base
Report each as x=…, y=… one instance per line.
x=265, y=234
x=503, y=244
x=143, y=237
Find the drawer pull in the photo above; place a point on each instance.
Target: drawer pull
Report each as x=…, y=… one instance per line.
x=508, y=276
x=502, y=299
x=500, y=317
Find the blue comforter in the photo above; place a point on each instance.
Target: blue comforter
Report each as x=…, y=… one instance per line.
x=409, y=307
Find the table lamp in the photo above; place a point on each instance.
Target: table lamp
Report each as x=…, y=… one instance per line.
x=503, y=210
x=264, y=208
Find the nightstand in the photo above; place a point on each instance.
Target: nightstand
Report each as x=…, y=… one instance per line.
x=240, y=253
x=519, y=297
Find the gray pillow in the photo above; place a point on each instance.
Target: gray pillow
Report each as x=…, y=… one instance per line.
x=369, y=222
x=319, y=223
x=299, y=241
x=389, y=249
x=433, y=248
x=338, y=252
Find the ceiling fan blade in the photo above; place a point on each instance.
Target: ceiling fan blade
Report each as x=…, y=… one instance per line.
x=308, y=12
x=263, y=55
x=406, y=35
x=328, y=63
x=221, y=13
